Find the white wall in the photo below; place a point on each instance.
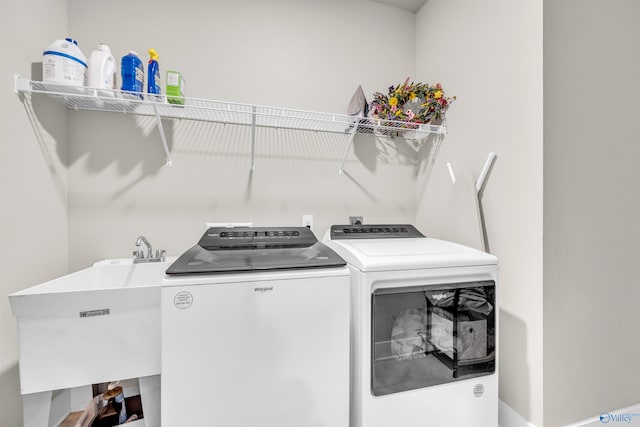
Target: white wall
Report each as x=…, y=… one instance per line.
x=312, y=55
x=298, y=54
x=489, y=54
x=592, y=87
x=33, y=181
x=78, y=187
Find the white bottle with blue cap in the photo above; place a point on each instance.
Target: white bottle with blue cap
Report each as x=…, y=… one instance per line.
x=64, y=63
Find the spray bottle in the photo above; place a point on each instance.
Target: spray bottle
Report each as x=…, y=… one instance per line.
x=153, y=76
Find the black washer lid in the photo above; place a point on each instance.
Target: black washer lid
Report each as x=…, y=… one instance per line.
x=245, y=249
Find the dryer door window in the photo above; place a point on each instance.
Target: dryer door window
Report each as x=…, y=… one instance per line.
x=428, y=335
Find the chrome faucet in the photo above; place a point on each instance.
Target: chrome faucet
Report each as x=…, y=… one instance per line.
x=144, y=240
x=138, y=255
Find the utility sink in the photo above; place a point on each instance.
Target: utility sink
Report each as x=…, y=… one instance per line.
x=95, y=325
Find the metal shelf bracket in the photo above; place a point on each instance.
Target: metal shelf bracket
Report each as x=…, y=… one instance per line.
x=165, y=146
x=346, y=152
x=253, y=139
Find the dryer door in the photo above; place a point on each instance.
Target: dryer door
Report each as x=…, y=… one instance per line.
x=428, y=335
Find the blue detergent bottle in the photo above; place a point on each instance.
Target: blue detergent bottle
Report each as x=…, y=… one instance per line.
x=132, y=75
x=153, y=76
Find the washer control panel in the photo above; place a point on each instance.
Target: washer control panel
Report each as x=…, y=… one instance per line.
x=219, y=238
x=374, y=231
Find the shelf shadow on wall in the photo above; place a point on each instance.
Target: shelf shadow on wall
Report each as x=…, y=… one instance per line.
x=102, y=142
x=125, y=148
x=249, y=188
x=426, y=153
x=371, y=150
x=361, y=187
x=50, y=132
x=106, y=145
x=374, y=150
x=118, y=144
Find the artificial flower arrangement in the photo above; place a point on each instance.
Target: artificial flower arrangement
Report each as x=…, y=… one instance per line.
x=412, y=103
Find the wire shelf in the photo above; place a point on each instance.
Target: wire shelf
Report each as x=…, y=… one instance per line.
x=83, y=98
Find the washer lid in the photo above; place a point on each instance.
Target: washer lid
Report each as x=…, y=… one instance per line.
x=255, y=249
x=383, y=252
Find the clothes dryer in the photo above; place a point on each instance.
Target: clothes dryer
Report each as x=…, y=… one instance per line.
x=255, y=332
x=424, y=328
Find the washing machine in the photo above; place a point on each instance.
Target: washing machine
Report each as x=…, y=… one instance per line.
x=255, y=331
x=424, y=328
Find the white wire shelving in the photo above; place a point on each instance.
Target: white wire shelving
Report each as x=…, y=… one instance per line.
x=84, y=98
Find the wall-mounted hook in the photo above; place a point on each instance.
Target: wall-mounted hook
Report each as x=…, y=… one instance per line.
x=488, y=164
x=480, y=185
x=452, y=173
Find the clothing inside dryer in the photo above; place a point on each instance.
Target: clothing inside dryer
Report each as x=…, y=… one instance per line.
x=428, y=335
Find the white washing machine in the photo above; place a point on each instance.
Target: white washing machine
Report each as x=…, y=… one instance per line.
x=255, y=332
x=424, y=328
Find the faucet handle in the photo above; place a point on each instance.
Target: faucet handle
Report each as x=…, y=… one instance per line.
x=160, y=254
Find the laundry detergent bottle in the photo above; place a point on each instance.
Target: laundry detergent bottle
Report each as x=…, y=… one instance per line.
x=132, y=76
x=63, y=62
x=153, y=76
x=102, y=70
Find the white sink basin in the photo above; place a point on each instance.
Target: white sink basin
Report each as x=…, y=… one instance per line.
x=95, y=325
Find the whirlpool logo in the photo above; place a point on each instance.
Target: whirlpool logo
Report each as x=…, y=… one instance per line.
x=626, y=418
x=263, y=289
